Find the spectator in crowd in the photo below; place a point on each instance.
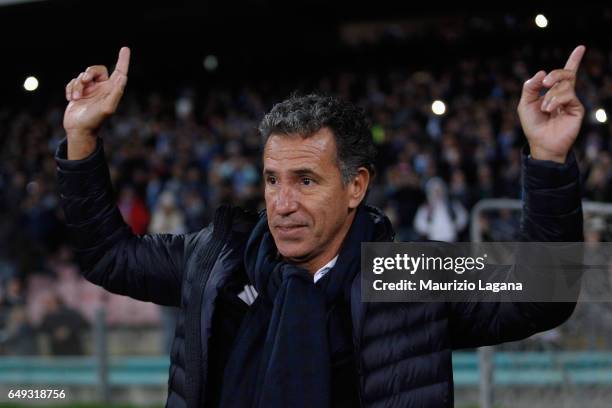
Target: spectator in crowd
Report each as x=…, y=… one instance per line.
x=12, y=295
x=64, y=327
x=404, y=195
x=18, y=337
x=133, y=210
x=505, y=227
x=168, y=218
x=440, y=218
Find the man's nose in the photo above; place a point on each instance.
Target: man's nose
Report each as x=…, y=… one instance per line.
x=286, y=202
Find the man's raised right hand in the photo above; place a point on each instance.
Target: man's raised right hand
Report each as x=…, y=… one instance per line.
x=92, y=97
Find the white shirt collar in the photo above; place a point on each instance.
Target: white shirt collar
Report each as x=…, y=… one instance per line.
x=323, y=271
x=249, y=294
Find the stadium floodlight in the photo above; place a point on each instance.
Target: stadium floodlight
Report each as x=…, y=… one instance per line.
x=211, y=62
x=438, y=107
x=541, y=21
x=601, y=116
x=30, y=84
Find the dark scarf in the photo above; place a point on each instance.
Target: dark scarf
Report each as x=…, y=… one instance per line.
x=281, y=357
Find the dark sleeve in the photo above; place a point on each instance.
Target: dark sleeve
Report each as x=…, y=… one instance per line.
x=147, y=267
x=552, y=212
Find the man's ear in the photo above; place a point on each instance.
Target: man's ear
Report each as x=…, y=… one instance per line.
x=358, y=186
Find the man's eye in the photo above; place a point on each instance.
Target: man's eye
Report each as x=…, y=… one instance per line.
x=306, y=181
x=271, y=180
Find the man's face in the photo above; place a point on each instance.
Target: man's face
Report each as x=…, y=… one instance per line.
x=306, y=202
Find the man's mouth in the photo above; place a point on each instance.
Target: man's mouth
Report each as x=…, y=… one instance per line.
x=290, y=230
x=289, y=227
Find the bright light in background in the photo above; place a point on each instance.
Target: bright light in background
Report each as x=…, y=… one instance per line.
x=211, y=63
x=541, y=21
x=30, y=84
x=601, y=116
x=438, y=107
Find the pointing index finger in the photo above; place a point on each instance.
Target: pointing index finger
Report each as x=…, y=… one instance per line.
x=123, y=62
x=575, y=57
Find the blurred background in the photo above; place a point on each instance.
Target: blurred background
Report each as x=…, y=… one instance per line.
x=440, y=85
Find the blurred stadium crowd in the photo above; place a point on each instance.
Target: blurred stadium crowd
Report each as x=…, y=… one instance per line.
x=174, y=159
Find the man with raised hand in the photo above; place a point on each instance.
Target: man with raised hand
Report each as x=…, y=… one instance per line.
x=270, y=305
